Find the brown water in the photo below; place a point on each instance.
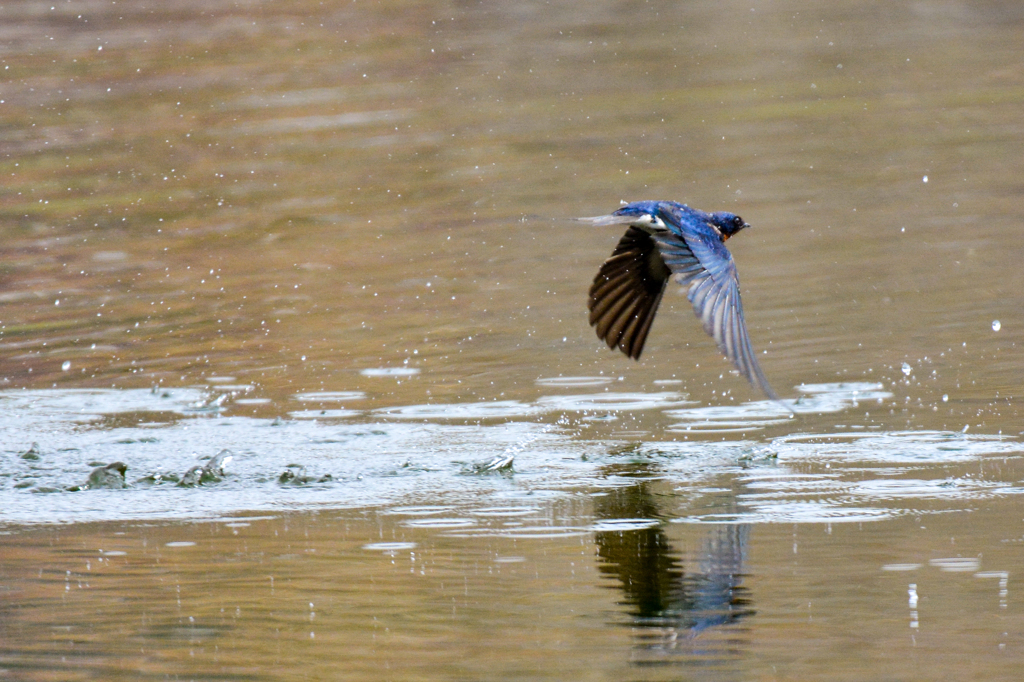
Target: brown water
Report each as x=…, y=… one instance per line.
x=335, y=237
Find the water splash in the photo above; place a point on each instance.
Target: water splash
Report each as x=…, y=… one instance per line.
x=54, y=439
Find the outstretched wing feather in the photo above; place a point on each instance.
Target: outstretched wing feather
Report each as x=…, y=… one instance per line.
x=709, y=271
x=625, y=294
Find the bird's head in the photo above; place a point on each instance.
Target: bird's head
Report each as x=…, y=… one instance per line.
x=727, y=223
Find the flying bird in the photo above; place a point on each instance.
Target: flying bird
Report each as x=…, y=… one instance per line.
x=666, y=240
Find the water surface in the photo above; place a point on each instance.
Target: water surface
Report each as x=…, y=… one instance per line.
x=308, y=271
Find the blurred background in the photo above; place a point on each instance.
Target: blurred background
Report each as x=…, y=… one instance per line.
x=336, y=239
x=293, y=192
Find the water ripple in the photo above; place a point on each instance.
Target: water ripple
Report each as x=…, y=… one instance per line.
x=752, y=416
x=389, y=372
x=797, y=512
x=612, y=401
x=323, y=414
x=573, y=382
x=389, y=547
x=411, y=462
x=329, y=396
x=498, y=409
x=895, y=447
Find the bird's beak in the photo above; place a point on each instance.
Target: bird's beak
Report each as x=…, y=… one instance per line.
x=605, y=220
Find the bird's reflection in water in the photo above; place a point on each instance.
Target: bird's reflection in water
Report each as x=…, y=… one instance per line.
x=682, y=610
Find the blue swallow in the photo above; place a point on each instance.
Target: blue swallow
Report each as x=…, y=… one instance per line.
x=669, y=240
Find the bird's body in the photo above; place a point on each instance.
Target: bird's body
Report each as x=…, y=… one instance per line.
x=666, y=240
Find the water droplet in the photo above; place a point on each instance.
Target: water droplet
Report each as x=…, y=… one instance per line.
x=907, y=369
x=66, y=366
x=996, y=326
x=945, y=398
x=924, y=179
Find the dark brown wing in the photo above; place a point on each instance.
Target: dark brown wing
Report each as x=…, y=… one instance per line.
x=626, y=292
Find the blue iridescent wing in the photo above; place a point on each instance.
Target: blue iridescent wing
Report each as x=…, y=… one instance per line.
x=698, y=259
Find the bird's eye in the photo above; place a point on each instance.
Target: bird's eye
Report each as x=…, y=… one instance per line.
x=738, y=222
